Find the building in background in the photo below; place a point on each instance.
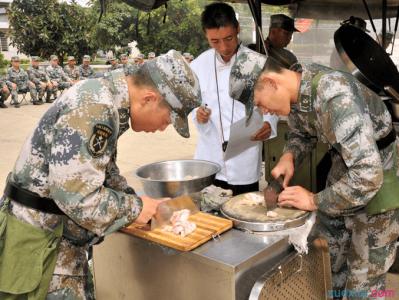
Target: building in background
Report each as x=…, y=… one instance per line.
x=5, y=48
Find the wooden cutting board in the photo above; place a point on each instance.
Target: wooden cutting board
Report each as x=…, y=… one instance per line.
x=207, y=226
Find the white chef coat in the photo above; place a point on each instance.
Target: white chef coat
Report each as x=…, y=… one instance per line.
x=244, y=168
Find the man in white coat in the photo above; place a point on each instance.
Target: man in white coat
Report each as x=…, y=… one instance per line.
x=219, y=111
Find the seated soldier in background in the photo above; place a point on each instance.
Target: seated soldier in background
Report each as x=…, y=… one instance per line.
x=72, y=70
x=85, y=70
x=114, y=64
x=127, y=67
x=139, y=59
x=151, y=55
x=40, y=78
x=188, y=57
x=58, y=78
x=18, y=82
x=4, y=93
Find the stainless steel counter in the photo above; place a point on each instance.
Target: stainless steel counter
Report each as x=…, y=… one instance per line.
x=127, y=267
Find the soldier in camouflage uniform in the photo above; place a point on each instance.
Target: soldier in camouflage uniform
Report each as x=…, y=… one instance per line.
x=71, y=158
x=139, y=59
x=128, y=68
x=4, y=93
x=71, y=70
x=151, y=55
x=40, y=78
x=341, y=112
x=18, y=82
x=58, y=78
x=114, y=64
x=85, y=70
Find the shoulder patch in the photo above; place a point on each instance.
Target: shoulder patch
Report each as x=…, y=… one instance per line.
x=99, y=140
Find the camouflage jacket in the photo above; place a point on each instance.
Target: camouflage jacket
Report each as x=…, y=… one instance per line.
x=129, y=68
x=37, y=75
x=70, y=157
x=56, y=74
x=115, y=67
x=350, y=118
x=74, y=73
x=86, y=72
x=20, y=78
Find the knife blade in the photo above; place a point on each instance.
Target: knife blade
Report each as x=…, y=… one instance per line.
x=166, y=209
x=271, y=192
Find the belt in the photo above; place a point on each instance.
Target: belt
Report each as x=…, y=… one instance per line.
x=31, y=200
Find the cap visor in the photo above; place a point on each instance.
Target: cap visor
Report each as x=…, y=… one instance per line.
x=181, y=124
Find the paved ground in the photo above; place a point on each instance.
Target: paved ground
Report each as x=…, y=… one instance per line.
x=134, y=149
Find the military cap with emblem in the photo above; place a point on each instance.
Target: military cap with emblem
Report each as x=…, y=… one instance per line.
x=282, y=21
x=86, y=57
x=15, y=58
x=243, y=76
x=151, y=55
x=179, y=86
x=140, y=56
x=53, y=57
x=35, y=58
x=71, y=58
x=246, y=70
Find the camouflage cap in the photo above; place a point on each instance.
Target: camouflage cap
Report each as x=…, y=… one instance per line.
x=53, y=57
x=71, y=58
x=178, y=85
x=86, y=58
x=282, y=21
x=123, y=56
x=243, y=76
x=35, y=58
x=112, y=58
x=15, y=58
x=151, y=55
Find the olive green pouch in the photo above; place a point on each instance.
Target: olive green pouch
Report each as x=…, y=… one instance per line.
x=28, y=255
x=387, y=197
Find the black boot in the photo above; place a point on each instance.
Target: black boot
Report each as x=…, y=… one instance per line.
x=48, y=99
x=37, y=102
x=2, y=105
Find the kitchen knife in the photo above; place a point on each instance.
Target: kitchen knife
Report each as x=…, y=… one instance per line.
x=271, y=192
x=166, y=209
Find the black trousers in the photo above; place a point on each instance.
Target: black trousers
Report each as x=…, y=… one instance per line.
x=237, y=189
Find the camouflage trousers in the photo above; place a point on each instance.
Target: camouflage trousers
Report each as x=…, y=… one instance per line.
x=4, y=95
x=362, y=249
x=18, y=90
x=41, y=90
x=64, y=287
x=62, y=85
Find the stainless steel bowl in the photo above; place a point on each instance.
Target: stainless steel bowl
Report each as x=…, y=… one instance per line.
x=173, y=178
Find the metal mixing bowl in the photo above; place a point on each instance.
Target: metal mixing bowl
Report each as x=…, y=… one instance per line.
x=173, y=178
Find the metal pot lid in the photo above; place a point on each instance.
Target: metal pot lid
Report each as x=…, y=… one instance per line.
x=365, y=58
x=248, y=212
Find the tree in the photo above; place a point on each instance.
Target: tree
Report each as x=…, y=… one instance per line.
x=46, y=27
x=116, y=27
x=181, y=29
